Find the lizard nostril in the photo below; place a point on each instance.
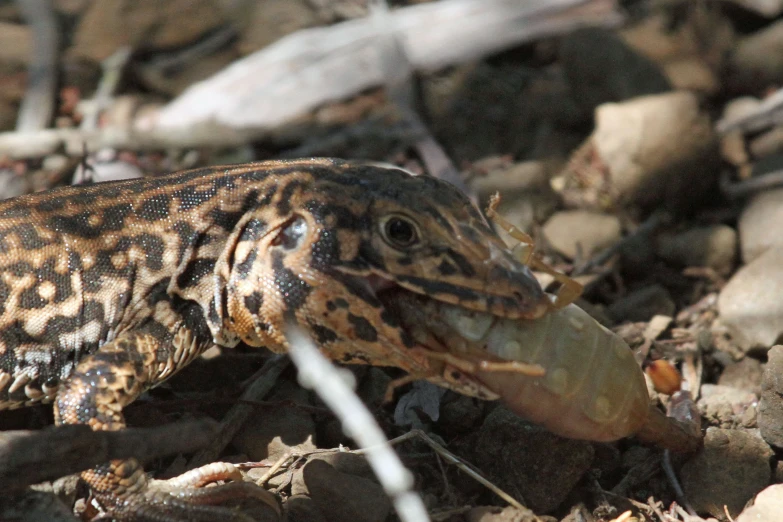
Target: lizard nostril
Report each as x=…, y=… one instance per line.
x=519, y=296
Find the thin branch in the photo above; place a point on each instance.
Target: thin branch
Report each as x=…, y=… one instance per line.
x=29, y=457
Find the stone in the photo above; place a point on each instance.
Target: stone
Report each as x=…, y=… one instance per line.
x=349, y=463
x=766, y=508
x=743, y=375
x=757, y=60
x=642, y=304
x=655, y=150
x=499, y=514
x=755, y=233
x=341, y=496
x=731, y=468
x=108, y=25
x=750, y=306
x=601, y=68
x=724, y=406
x=546, y=467
x=301, y=508
x=575, y=232
x=271, y=20
x=770, y=414
x=713, y=246
x=280, y=429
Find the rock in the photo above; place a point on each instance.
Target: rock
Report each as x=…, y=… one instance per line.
x=33, y=506
x=506, y=442
x=653, y=150
x=109, y=25
x=15, y=47
x=574, y=232
x=527, y=197
x=301, y=508
x=723, y=405
x=13, y=184
x=680, y=51
x=271, y=20
x=692, y=74
x=374, y=386
x=348, y=463
x=459, y=415
x=729, y=470
x=499, y=514
x=340, y=496
x=642, y=304
x=770, y=415
x=750, y=306
x=601, y=68
x=756, y=234
x=743, y=375
x=766, y=508
x=713, y=246
x=279, y=430
x=757, y=60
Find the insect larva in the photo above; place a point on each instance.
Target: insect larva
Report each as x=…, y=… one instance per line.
x=591, y=387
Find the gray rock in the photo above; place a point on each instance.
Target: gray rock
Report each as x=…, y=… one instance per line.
x=349, y=463
x=499, y=514
x=755, y=230
x=713, y=246
x=601, y=68
x=750, y=306
x=743, y=375
x=728, y=471
x=725, y=406
x=642, y=304
x=770, y=416
x=280, y=430
x=340, y=496
x=546, y=467
x=300, y=508
x=459, y=415
x=573, y=231
x=766, y=508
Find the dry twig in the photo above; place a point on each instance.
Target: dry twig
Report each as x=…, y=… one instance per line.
x=29, y=457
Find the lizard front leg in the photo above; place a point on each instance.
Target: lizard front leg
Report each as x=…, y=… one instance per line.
x=95, y=394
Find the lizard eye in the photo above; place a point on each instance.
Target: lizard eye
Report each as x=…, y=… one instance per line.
x=292, y=235
x=400, y=232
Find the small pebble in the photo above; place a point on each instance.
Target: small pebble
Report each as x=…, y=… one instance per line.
x=505, y=442
x=732, y=467
x=755, y=233
x=725, y=406
x=767, y=507
x=572, y=232
x=713, y=246
x=750, y=306
x=642, y=304
x=770, y=414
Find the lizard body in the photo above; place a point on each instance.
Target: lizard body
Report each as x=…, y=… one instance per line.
x=107, y=290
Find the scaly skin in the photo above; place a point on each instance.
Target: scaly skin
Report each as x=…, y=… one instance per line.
x=108, y=290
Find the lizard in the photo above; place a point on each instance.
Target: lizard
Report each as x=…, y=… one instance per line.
x=106, y=290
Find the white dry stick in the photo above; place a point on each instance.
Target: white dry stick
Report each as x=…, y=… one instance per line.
x=318, y=374
x=314, y=66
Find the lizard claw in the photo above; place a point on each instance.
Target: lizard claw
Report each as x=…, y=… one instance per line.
x=182, y=499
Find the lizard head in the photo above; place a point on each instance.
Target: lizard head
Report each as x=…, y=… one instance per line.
x=341, y=238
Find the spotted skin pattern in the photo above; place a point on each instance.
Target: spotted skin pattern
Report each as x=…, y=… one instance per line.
x=109, y=289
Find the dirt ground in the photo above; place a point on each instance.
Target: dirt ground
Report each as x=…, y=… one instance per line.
x=643, y=159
